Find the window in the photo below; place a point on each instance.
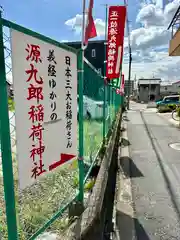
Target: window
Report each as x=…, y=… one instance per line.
x=93, y=53
x=176, y=98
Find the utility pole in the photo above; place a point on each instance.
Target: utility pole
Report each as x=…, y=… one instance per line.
x=130, y=57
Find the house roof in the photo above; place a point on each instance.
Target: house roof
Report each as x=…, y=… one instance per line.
x=176, y=82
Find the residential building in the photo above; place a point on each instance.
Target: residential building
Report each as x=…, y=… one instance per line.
x=148, y=89
x=94, y=56
x=95, y=53
x=169, y=88
x=166, y=89
x=176, y=87
x=174, y=45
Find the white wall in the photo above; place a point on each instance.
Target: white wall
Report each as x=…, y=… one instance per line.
x=176, y=87
x=167, y=88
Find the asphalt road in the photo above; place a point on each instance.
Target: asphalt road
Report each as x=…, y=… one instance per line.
x=155, y=176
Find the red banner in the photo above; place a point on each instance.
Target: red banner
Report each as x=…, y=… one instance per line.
x=90, y=31
x=116, y=25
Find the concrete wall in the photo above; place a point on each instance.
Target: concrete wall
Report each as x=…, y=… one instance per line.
x=157, y=91
x=166, y=89
x=176, y=87
x=146, y=92
x=143, y=93
x=170, y=89
x=96, y=221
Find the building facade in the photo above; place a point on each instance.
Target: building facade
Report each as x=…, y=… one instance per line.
x=170, y=88
x=95, y=53
x=174, y=45
x=148, y=90
x=166, y=89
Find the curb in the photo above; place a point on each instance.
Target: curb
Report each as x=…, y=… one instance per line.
x=124, y=228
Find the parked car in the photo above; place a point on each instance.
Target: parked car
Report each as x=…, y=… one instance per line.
x=168, y=100
x=92, y=109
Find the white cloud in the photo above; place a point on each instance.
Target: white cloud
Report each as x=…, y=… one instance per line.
x=100, y=26
x=154, y=15
x=76, y=24
x=144, y=38
x=169, y=69
x=171, y=8
x=63, y=40
x=150, y=63
x=149, y=43
x=150, y=15
x=155, y=21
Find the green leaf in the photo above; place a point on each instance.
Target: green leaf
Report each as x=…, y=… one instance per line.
x=11, y=104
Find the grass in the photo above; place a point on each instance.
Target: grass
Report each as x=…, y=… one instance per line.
x=92, y=138
x=37, y=204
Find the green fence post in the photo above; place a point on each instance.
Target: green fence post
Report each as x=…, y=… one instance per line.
x=114, y=109
x=105, y=106
x=81, y=125
x=109, y=96
x=105, y=86
x=6, y=148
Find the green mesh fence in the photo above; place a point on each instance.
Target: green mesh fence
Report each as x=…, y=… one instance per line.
x=39, y=203
x=48, y=199
x=93, y=110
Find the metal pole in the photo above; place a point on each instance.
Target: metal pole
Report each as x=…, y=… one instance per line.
x=6, y=148
x=105, y=86
x=149, y=90
x=81, y=120
x=130, y=57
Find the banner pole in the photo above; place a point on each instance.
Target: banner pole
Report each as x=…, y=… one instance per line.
x=105, y=86
x=81, y=120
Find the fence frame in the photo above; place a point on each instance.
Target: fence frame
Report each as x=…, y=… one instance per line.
x=11, y=214
x=8, y=177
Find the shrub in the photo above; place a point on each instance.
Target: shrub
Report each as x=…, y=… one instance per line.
x=178, y=112
x=164, y=109
x=172, y=106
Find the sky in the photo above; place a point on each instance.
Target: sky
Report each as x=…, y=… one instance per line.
x=149, y=19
